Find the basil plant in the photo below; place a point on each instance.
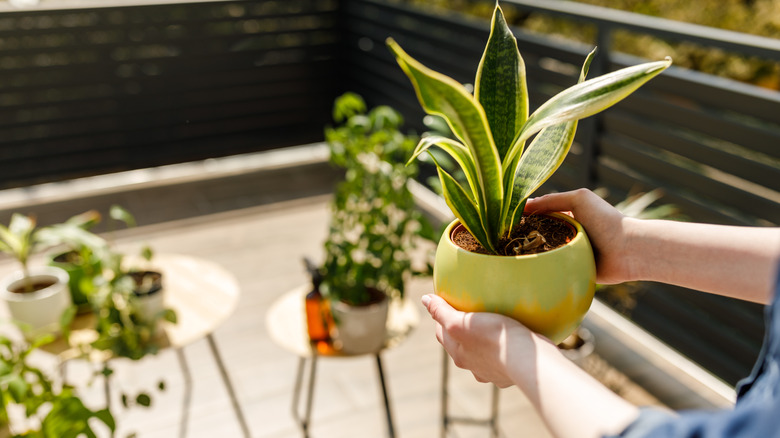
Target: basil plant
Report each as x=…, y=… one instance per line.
x=493, y=125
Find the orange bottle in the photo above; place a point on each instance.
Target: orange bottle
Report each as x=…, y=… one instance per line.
x=316, y=309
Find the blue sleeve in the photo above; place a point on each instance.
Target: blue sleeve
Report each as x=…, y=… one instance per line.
x=755, y=420
x=756, y=414
x=649, y=419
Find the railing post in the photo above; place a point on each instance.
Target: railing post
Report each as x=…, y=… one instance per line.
x=591, y=128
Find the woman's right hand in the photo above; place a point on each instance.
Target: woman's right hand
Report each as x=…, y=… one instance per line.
x=605, y=225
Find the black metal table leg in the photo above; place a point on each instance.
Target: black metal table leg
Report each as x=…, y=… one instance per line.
x=185, y=411
x=229, y=386
x=494, y=412
x=445, y=395
x=447, y=420
x=304, y=421
x=390, y=426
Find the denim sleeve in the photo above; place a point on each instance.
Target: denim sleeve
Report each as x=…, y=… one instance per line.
x=756, y=413
x=751, y=420
x=648, y=420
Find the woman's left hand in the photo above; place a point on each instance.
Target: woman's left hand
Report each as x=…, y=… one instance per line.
x=478, y=341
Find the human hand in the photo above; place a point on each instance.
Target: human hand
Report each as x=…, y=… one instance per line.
x=606, y=227
x=500, y=350
x=489, y=345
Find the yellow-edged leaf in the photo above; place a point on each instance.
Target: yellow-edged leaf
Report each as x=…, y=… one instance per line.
x=465, y=210
x=458, y=152
x=500, y=85
x=443, y=96
x=542, y=158
x=588, y=98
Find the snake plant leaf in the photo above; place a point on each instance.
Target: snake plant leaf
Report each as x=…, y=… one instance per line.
x=457, y=151
x=542, y=158
x=443, y=96
x=463, y=208
x=588, y=98
x=500, y=85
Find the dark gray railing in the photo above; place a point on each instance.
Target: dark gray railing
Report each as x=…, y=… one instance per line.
x=94, y=90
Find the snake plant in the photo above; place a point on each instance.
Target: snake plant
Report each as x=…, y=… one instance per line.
x=493, y=125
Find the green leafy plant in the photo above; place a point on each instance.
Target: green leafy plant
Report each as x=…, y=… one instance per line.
x=121, y=327
x=493, y=125
x=22, y=238
x=79, y=255
x=374, y=221
x=55, y=410
x=123, y=330
x=19, y=240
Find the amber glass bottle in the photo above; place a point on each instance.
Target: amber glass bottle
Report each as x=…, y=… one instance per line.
x=317, y=314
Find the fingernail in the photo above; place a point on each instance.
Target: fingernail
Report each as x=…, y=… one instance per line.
x=426, y=299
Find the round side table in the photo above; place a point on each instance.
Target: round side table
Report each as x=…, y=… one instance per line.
x=286, y=323
x=202, y=293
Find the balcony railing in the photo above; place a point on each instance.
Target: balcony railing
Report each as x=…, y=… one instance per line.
x=89, y=90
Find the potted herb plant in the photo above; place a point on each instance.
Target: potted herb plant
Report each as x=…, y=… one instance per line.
x=537, y=269
x=37, y=298
x=148, y=294
x=128, y=299
x=373, y=222
x=81, y=255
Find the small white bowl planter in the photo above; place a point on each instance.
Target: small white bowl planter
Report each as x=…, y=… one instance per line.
x=40, y=310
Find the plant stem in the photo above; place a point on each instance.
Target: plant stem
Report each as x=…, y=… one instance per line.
x=28, y=284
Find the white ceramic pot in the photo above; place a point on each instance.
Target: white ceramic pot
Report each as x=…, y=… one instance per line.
x=39, y=310
x=150, y=305
x=151, y=302
x=360, y=329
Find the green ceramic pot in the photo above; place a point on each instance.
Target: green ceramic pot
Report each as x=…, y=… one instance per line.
x=548, y=292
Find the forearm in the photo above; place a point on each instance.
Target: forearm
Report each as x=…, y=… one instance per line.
x=570, y=401
x=739, y=262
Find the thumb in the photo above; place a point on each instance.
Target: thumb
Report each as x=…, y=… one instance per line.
x=439, y=309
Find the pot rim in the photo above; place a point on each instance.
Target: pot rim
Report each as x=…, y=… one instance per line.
x=157, y=289
x=43, y=271
x=580, y=235
x=373, y=307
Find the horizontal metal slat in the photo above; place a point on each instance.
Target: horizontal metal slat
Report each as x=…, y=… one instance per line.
x=148, y=111
x=710, y=123
x=710, y=91
x=618, y=176
x=662, y=137
x=665, y=319
x=637, y=157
